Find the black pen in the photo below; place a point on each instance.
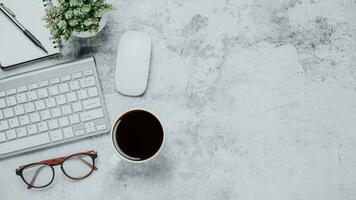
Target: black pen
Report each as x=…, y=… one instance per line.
x=11, y=16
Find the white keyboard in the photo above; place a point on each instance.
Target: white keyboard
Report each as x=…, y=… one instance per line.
x=50, y=106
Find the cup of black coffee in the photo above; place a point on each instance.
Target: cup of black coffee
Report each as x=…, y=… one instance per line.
x=138, y=135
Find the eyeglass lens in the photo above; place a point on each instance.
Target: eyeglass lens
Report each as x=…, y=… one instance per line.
x=38, y=175
x=78, y=166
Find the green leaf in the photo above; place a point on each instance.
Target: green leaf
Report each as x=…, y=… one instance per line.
x=77, y=12
x=68, y=14
x=73, y=22
x=73, y=3
x=86, y=8
x=88, y=22
x=61, y=24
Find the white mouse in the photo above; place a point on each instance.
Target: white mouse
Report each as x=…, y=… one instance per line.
x=133, y=63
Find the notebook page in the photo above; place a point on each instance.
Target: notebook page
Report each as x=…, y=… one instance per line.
x=15, y=47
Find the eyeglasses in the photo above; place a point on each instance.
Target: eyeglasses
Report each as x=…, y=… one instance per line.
x=41, y=174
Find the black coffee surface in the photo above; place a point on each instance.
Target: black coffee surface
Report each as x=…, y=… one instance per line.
x=139, y=135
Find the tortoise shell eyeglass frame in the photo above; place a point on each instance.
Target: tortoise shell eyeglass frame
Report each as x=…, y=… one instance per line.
x=54, y=162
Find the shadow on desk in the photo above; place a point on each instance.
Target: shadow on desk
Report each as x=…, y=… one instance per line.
x=157, y=168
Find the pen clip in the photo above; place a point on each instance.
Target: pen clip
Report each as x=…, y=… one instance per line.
x=8, y=10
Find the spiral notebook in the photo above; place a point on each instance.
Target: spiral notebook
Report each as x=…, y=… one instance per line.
x=15, y=47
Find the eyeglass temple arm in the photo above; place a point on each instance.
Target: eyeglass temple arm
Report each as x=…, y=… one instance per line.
x=88, y=164
x=90, y=152
x=35, y=177
x=54, y=161
x=58, y=160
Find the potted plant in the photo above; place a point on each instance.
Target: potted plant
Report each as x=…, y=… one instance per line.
x=82, y=18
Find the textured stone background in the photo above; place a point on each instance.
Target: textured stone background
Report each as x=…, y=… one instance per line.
x=258, y=99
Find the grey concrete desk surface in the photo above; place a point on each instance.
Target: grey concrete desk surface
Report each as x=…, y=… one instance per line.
x=258, y=99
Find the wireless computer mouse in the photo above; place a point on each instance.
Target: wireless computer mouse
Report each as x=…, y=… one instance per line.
x=132, y=63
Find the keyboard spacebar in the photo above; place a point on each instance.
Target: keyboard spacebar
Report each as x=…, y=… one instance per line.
x=24, y=143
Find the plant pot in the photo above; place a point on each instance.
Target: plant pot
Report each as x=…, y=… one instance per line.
x=87, y=34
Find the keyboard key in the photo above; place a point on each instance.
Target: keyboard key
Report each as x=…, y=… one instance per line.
x=32, y=129
x=74, y=119
x=91, y=103
x=67, y=132
x=1, y=115
x=2, y=137
x=77, y=106
x=56, y=135
x=26, y=142
x=74, y=85
x=42, y=126
x=10, y=101
x=24, y=120
x=32, y=95
x=14, y=122
x=53, y=124
x=3, y=125
x=66, y=110
x=91, y=114
x=101, y=127
x=63, y=121
x=53, y=90
x=71, y=97
x=65, y=78
x=77, y=75
x=33, y=86
x=54, y=81
x=63, y=88
x=2, y=93
x=35, y=117
x=8, y=112
x=11, y=91
x=43, y=83
x=29, y=107
x=2, y=103
x=40, y=105
x=82, y=94
x=42, y=93
x=79, y=132
x=90, y=130
x=22, y=88
x=45, y=114
x=11, y=134
x=21, y=98
x=87, y=82
x=19, y=110
x=93, y=92
x=61, y=99
x=89, y=124
x=21, y=132
x=50, y=102
x=88, y=72
x=56, y=112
